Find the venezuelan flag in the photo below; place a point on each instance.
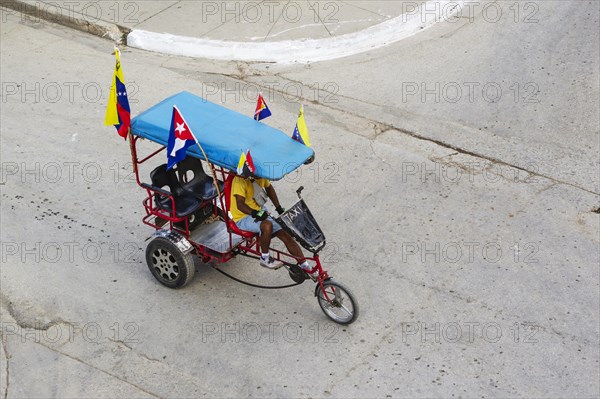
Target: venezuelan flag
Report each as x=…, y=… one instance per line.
x=117, y=111
x=301, y=131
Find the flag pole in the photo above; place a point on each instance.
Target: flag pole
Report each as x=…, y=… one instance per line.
x=215, y=181
x=255, y=117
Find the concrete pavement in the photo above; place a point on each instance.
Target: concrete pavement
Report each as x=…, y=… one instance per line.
x=224, y=20
x=475, y=275
x=265, y=31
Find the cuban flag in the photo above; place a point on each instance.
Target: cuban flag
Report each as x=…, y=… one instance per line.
x=118, y=112
x=262, y=111
x=301, y=131
x=180, y=138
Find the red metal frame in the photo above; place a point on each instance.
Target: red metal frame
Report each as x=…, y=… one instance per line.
x=250, y=246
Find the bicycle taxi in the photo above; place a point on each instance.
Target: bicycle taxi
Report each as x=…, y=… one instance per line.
x=188, y=207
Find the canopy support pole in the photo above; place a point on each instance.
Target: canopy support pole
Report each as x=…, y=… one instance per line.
x=212, y=169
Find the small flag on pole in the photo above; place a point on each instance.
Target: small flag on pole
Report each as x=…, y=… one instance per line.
x=250, y=163
x=241, y=163
x=117, y=110
x=180, y=138
x=262, y=111
x=246, y=165
x=301, y=131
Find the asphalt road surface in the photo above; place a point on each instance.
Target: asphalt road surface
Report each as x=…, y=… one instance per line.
x=468, y=230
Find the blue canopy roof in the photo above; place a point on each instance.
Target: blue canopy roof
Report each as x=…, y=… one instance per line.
x=224, y=134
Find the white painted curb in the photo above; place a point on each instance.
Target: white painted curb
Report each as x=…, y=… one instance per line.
x=300, y=51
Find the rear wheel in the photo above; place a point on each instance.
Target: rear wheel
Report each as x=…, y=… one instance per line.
x=337, y=302
x=170, y=266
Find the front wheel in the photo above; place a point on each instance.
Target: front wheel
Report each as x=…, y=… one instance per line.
x=337, y=302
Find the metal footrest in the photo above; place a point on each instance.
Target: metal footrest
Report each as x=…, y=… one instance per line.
x=215, y=237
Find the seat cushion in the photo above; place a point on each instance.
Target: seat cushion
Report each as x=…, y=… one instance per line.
x=204, y=190
x=184, y=204
x=236, y=230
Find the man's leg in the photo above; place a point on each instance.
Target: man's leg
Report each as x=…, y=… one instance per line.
x=266, y=230
x=290, y=244
x=294, y=249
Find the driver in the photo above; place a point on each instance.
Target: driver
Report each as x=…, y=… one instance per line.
x=248, y=196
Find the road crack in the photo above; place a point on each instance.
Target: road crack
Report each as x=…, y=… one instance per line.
x=371, y=142
x=7, y=355
x=401, y=130
x=140, y=354
x=31, y=323
x=100, y=370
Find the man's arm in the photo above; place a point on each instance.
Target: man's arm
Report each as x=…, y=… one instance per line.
x=241, y=205
x=273, y=196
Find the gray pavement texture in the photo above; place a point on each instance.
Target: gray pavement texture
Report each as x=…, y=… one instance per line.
x=222, y=20
x=469, y=231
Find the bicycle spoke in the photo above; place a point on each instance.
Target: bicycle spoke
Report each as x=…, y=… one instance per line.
x=346, y=309
x=341, y=306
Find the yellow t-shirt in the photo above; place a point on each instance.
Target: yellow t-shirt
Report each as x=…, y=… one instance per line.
x=245, y=188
